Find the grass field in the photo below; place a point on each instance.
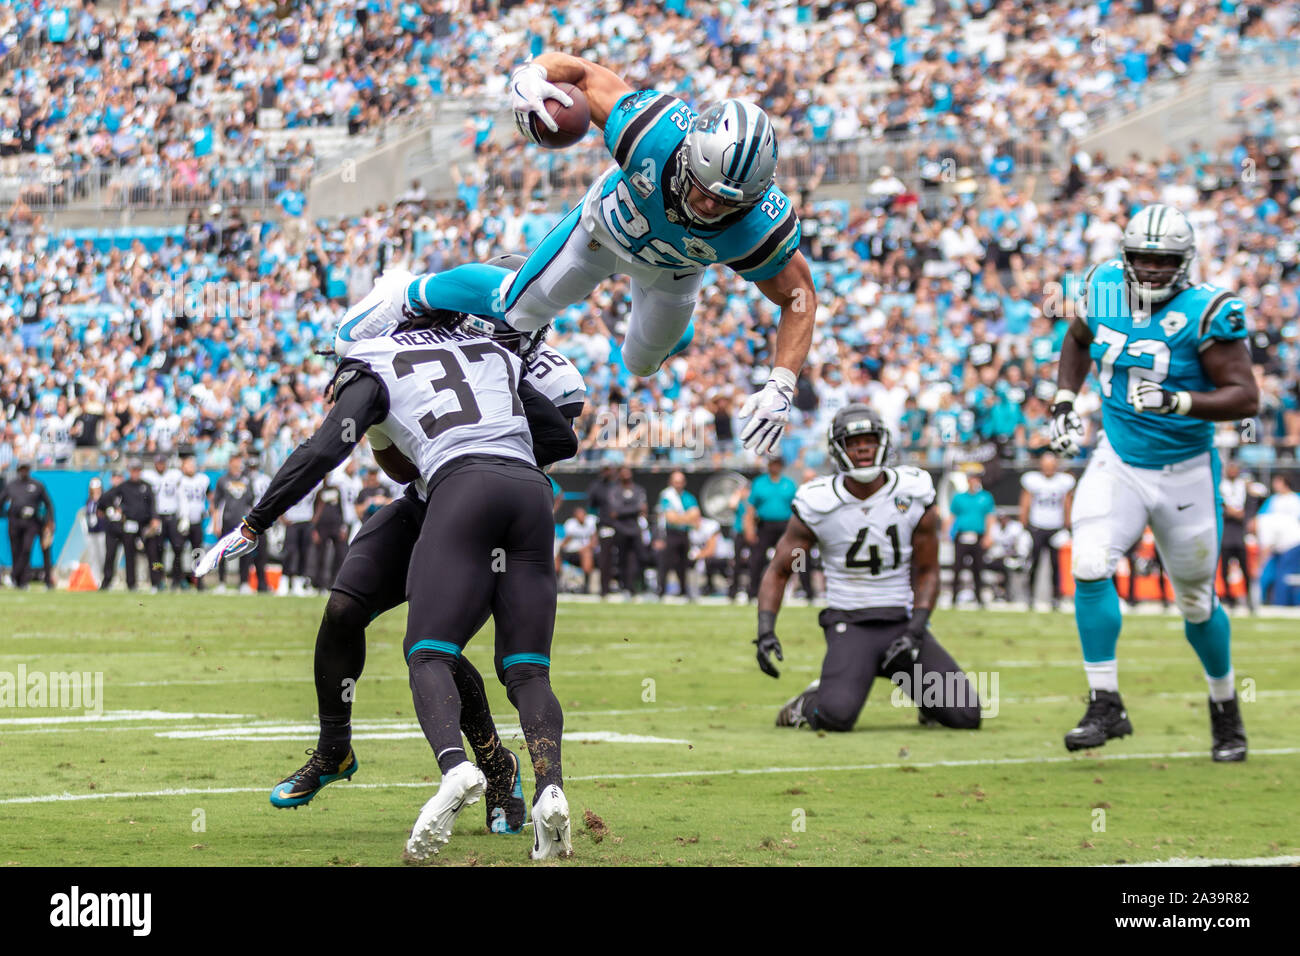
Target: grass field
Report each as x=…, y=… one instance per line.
x=670, y=753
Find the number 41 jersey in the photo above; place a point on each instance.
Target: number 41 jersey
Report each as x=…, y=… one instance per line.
x=450, y=394
x=866, y=544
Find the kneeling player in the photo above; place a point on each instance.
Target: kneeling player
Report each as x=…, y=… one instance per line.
x=878, y=532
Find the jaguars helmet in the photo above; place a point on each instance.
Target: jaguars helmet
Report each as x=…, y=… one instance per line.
x=730, y=152
x=1158, y=248
x=858, y=419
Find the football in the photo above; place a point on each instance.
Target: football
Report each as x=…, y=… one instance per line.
x=573, y=121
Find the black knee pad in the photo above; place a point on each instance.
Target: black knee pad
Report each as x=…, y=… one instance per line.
x=821, y=719
x=344, y=613
x=519, y=675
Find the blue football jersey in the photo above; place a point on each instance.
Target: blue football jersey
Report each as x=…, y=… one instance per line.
x=630, y=201
x=1163, y=347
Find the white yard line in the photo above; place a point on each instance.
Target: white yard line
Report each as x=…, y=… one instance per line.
x=1202, y=861
x=755, y=771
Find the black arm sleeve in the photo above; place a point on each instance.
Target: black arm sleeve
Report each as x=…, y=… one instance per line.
x=553, y=437
x=360, y=401
x=110, y=498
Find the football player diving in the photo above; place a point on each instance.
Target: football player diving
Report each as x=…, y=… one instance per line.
x=687, y=191
x=1171, y=360
x=878, y=532
x=373, y=577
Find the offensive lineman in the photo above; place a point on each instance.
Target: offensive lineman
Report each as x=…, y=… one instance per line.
x=687, y=191
x=1171, y=360
x=878, y=532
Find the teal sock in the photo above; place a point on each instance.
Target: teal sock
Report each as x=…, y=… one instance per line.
x=1096, y=612
x=469, y=288
x=1212, y=639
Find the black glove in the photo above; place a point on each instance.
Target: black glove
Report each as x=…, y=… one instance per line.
x=767, y=643
x=906, y=648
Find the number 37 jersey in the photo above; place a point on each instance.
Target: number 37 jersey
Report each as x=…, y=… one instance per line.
x=449, y=394
x=866, y=544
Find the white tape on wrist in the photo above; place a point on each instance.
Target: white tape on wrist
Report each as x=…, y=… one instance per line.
x=1064, y=395
x=1182, y=403
x=783, y=377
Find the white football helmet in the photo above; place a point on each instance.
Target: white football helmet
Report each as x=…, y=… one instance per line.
x=1158, y=248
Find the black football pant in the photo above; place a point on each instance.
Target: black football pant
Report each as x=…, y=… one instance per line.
x=769, y=533
x=620, y=555
x=297, y=549
x=856, y=642
x=486, y=547
x=1235, y=552
x=23, y=533
x=1042, y=538
x=128, y=543
x=334, y=543
x=372, y=582
x=155, y=549
x=972, y=556
x=676, y=559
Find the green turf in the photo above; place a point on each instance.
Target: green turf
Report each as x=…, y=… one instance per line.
x=879, y=795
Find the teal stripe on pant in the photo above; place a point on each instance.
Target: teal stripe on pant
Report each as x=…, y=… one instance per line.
x=512, y=659
x=445, y=646
x=540, y=258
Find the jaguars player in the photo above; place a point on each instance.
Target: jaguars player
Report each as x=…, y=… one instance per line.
x=878, y=532
x=687, y=191
x=1171, y=360
x=373, y=577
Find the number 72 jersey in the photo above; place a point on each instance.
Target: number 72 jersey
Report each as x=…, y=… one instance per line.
x=866, y=544
x=1164, y=347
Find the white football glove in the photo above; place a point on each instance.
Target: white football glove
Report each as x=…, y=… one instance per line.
x=529, y=91
x=1148, y=396
x=378, y=313
x=231, y=546
x=1066, y=431
x=768, y=412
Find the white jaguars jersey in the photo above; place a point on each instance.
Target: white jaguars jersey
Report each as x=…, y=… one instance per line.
x=193, y=492
x=866, y=544
x=1047, y=498
x=166, y=489
x=555, y=377
x=450, y=394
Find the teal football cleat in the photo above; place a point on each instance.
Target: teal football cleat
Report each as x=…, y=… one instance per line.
x=296, y=790
x=506, y=810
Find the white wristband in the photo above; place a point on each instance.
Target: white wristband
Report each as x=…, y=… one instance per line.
x=783, y=377
x=1064, y=395
x=1182, y=403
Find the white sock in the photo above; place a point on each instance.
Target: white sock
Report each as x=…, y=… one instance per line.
x=1222, y=688
x=1103, y=675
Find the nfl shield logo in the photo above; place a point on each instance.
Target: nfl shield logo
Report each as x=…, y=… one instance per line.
x=903, y=502
x=699, y=249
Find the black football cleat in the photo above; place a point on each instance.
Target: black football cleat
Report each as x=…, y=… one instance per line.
x=506, y=809
x=795, y=711
x=1227, y=731
x=297, y=789
x=1104, y=720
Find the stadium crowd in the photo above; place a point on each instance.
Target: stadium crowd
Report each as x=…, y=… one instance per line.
x=164, y=99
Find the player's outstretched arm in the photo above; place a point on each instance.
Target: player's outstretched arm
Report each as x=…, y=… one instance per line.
x=796, y=543
x=1066, y=429
x=603, y=88
x=792, y=290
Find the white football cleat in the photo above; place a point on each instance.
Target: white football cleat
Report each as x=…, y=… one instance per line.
x=462, y=785
x=551, y=825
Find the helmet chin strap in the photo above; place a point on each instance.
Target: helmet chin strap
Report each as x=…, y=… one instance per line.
x=865, y=475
